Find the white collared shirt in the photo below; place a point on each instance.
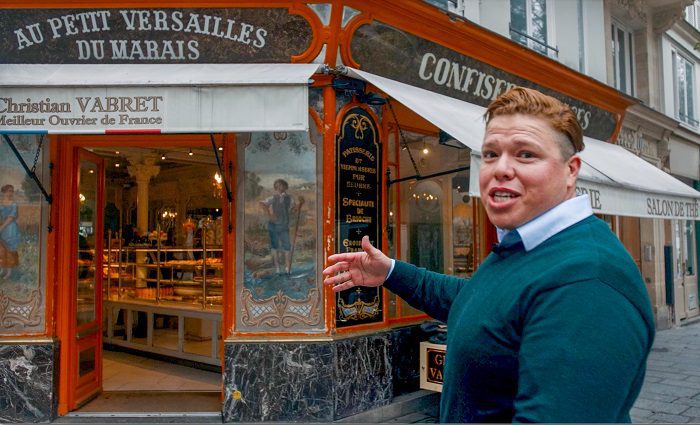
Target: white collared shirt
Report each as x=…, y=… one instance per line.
x=551, y=222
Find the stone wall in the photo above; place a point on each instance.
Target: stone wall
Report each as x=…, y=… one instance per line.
x=29, y=382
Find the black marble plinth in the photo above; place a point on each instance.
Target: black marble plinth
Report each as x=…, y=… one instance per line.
x=28, y=377
x=318, y=381
x=405, y=358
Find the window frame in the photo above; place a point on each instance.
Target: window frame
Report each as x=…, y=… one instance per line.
x=683, y=116
x=630, y=77
x=531, y=42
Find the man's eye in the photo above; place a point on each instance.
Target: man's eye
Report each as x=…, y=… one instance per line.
x=526, y=154
x=489, y=154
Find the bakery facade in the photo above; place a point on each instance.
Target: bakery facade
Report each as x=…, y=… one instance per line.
x=176, y=176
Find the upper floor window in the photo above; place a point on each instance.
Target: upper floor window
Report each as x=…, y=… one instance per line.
x=684, y=88
x=692, y=15
x=623, y=59
x=529, y=26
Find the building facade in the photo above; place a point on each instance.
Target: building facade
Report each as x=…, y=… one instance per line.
x=176, y=176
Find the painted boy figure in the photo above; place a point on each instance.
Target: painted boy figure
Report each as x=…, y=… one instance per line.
x=278, y=208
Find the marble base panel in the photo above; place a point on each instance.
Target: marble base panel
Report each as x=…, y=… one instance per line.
x=405, y=358
x=29, y=379
x=317, y=381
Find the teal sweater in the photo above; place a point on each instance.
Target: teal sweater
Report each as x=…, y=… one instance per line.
x=557, y=334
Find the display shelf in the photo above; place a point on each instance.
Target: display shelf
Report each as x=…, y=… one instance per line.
x=170, y=329
x=173, y=274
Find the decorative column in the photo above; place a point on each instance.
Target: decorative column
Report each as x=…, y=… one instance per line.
x=142, y=173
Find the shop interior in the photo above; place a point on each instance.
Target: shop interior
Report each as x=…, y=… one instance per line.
x=162, y=277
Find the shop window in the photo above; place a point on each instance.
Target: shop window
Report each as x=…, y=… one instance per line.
x=684, y=89
x=434, y=226
x=623, y=58
x=692, y=15
x=278, y=285
x=23, y=221
x=529, y=25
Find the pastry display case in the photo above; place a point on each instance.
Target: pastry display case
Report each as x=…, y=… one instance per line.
x=164, y=299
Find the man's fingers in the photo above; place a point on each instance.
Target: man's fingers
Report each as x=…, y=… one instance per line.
x=335, y=268
x=345, y=256
x=343, y=286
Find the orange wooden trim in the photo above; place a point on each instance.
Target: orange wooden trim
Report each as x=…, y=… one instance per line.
x=408, y=319
x=321, y=80
x=50, y=283
x=346, y=37
x=328, y=202
x=140, y=140
x=363, y=327
x=318, y=34
x=229, y=314
x=272, y=335
x=317, y=121
x=397, y=199
x=616, y=131
x=67, y=4
x=67, y=255
x=334, y=26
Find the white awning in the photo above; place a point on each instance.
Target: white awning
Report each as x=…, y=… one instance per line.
x=462, y=120
x=192, y=98
x=618, y=182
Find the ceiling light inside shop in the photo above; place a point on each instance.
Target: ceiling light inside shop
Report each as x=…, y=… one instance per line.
x=190, y=152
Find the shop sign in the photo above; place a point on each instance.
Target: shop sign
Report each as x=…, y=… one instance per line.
x=358, y=208
x=395, y=54
x=626, y=202
x=162, y=109
x=75, y=36
x=432, y=362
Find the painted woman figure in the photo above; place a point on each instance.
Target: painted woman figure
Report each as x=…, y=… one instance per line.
x=9, y=231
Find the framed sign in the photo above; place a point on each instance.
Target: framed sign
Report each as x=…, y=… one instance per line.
x=133, y=35
x=358, y=208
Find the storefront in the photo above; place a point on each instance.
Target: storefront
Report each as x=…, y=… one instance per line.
x=195, y=165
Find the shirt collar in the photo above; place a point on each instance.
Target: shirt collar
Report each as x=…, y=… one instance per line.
x=551, y=222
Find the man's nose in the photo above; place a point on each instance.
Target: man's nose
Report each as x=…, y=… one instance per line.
x=503, y=168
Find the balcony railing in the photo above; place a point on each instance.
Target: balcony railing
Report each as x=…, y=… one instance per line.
x=547, y=47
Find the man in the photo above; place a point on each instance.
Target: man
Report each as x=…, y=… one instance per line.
x=556, y=324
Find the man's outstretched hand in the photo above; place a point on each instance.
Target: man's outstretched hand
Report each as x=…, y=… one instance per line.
x=368, y=267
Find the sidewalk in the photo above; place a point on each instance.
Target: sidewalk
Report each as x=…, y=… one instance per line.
x=671, y=391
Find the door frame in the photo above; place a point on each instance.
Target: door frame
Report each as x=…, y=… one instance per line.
x=65, y=259
x=72, y=389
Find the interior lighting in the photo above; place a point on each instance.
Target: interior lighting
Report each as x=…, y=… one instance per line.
x=190, y=152
x=162, y=157
x=117, y=165
x=221, y=148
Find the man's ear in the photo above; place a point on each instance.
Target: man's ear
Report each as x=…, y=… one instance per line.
x=574, y=166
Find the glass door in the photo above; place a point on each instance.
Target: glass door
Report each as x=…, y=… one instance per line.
x=87, y=352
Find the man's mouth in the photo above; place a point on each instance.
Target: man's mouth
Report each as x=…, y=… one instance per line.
x=502, y=196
